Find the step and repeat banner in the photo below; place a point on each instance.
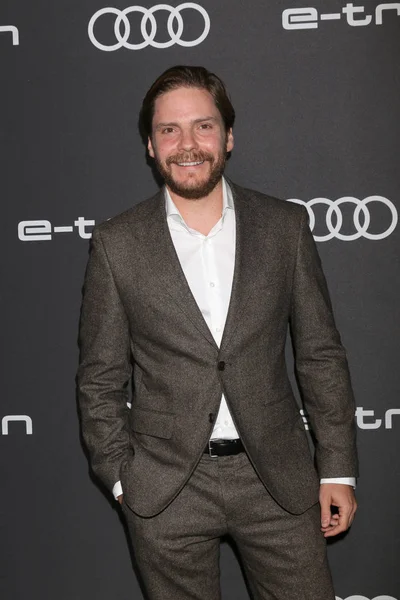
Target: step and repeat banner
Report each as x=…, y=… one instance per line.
x=316, y=88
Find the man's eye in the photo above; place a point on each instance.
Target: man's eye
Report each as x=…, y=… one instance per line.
x=167, y=130
x=205, y=126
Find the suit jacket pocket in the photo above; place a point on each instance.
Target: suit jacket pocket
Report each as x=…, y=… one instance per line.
x=150, y=422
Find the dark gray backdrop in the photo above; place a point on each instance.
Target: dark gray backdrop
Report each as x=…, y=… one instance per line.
x=317, y=97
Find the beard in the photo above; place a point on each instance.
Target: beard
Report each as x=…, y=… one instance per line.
x=192, y=190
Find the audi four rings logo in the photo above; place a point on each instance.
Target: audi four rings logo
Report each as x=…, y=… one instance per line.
x=175, y=27
x=334, y=224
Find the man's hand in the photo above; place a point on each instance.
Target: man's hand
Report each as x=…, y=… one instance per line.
x=341, y=496
x=120, y=498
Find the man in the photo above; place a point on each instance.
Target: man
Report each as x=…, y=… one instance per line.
x=193, y=290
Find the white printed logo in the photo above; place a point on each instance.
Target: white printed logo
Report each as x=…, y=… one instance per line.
x=362, y=413
x=42, y=230
x=11, y=418
x=308, y=17
x=175, y=26
x=14, y=33
x=365, y=419
x=334, y=223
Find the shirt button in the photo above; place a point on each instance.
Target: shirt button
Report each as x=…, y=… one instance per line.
x=221, y=365
x=212, y=284
x=218, y=329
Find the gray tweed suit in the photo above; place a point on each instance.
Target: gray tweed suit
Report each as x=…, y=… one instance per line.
x=139, y=315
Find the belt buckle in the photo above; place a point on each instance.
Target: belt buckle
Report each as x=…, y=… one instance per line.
x=210, y=450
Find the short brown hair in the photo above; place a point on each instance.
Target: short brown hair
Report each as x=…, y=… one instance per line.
x=184, y=76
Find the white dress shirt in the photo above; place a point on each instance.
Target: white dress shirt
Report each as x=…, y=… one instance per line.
x=208, y=262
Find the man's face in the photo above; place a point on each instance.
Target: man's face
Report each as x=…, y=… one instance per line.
x=189, y=142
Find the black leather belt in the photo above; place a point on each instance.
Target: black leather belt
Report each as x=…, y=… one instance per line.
x=223, y=447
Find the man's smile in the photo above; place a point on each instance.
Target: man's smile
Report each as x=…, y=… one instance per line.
x=190, y=164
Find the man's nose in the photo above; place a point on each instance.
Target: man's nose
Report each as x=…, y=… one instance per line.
x=188, y=140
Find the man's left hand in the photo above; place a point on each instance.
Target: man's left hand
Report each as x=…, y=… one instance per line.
x=339, y=495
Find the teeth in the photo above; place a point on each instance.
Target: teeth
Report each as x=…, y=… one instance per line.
x=190, y=164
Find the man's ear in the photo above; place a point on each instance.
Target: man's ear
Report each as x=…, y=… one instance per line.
x=150, y=147
x=229, y=140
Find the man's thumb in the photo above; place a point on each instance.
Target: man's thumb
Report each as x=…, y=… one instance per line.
x=325, y=511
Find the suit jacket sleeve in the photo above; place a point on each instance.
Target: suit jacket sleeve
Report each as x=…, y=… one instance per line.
x=105, y=368
x=321, y=364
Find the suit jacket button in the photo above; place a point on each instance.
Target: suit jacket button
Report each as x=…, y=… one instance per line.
x=221, y=365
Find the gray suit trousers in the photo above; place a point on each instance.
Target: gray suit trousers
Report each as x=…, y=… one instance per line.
x=177, y=551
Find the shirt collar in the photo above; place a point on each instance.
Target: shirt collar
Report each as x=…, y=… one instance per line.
x=227, y=202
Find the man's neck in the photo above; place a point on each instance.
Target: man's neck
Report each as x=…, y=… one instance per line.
x=201, y=214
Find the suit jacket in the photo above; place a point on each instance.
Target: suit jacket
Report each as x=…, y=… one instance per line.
x=139, y=318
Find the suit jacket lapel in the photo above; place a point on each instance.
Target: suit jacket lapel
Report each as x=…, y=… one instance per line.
x=159, y=251
x=164, y=263
x=250, y=233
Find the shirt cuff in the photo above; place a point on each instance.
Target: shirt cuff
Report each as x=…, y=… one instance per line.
x=117, y=490
x=343, y=480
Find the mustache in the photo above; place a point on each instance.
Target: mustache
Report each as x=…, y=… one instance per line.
x=195, y=156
